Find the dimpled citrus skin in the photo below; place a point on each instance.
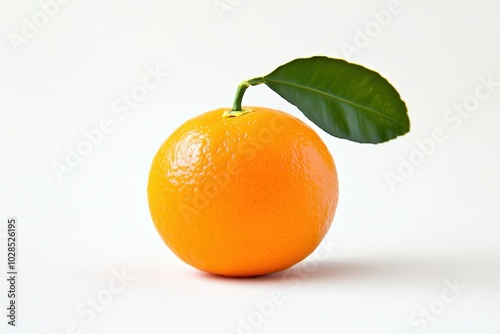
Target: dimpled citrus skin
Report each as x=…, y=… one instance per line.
x=243, y=196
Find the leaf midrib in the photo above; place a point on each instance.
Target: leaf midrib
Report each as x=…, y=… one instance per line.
x=336, y=98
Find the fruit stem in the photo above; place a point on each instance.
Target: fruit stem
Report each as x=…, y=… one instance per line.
x=239, y=95
x=241, y=91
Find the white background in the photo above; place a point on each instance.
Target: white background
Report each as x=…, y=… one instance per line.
x=393, y=248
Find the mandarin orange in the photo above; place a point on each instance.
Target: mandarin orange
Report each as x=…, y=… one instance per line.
x=243, y=196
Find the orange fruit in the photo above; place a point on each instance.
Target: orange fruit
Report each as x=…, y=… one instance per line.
x=243, y=196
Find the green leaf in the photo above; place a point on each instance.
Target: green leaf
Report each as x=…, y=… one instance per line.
x=344, y=99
